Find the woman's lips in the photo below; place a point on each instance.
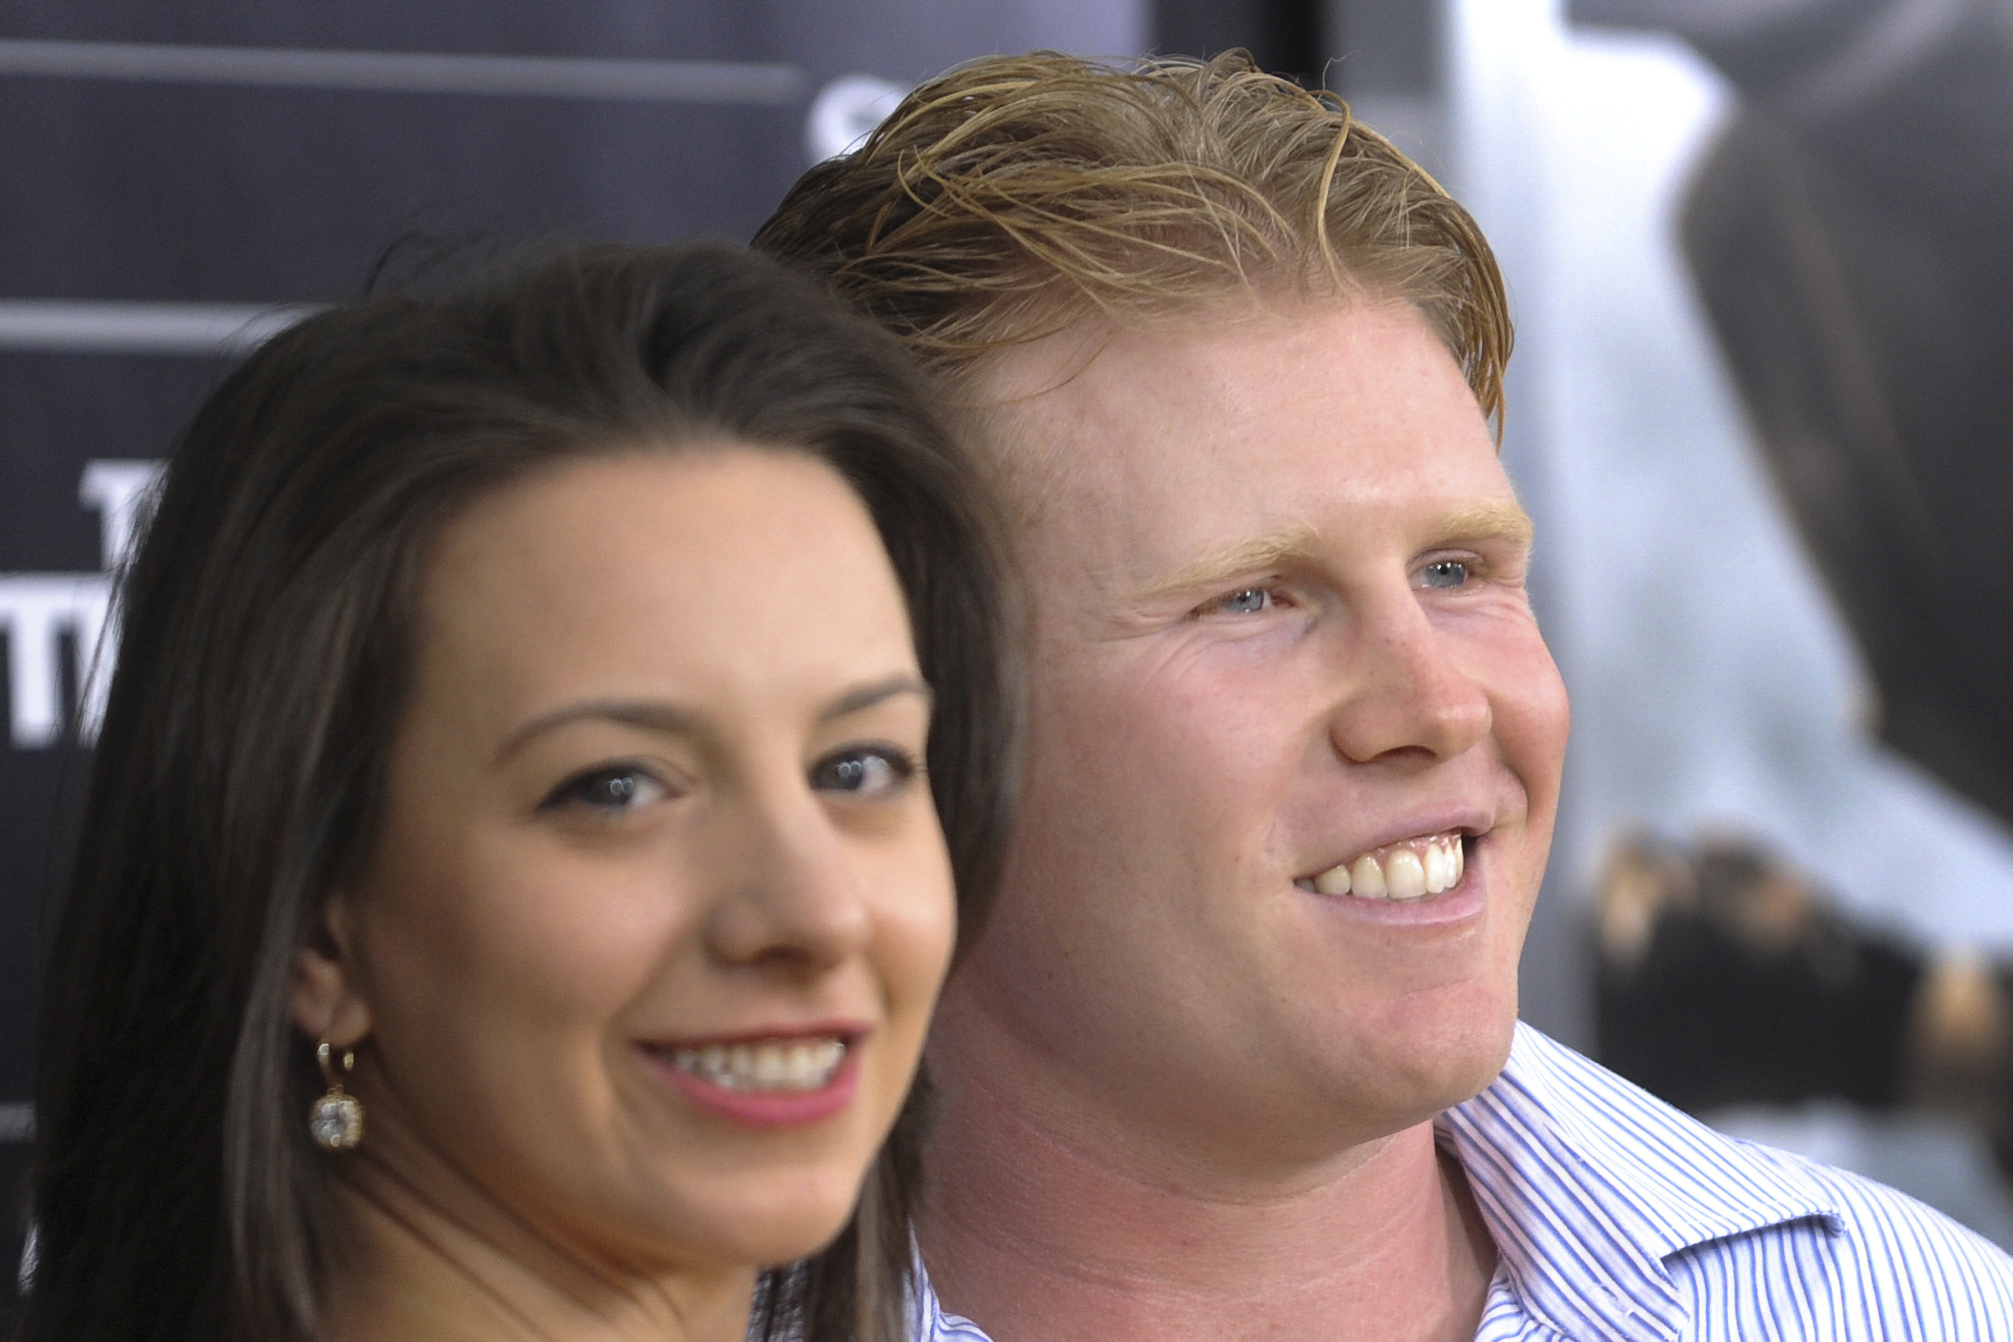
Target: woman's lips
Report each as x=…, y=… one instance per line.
x=774, y=1081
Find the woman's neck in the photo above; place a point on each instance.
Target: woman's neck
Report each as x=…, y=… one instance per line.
x=439, y=1260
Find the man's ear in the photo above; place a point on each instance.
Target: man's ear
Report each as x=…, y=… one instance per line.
x=327, y=998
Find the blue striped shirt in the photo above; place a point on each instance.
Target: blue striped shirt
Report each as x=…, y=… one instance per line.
x=1619, y=1219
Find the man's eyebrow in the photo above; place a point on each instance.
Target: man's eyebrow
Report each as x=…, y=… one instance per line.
x=1232, y=561
x=1494, y=520
x=671, y=720
x=1498, y=519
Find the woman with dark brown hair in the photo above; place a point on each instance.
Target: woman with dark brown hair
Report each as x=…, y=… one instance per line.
x=511, y=892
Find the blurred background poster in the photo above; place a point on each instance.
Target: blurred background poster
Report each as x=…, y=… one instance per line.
x=1753, y=247
x=1758, y=252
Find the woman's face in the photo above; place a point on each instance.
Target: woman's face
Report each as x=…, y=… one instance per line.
x=660, y=907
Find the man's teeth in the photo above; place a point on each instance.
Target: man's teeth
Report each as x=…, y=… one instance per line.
x=1403, y=871
x=774, y=1064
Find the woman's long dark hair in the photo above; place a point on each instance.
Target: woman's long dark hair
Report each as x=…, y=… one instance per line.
x=268, y=641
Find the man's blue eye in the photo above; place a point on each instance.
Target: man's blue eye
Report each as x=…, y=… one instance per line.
x=1444, y=573
x=863, y=771
x=1245, y=601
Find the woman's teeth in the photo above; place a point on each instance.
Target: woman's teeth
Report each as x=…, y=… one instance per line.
x=1410, y=870
x=774, y=1064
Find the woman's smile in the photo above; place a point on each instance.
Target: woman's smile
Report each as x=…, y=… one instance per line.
x=765, y=1080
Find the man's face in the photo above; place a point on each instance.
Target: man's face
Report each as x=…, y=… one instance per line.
x=1280, y=629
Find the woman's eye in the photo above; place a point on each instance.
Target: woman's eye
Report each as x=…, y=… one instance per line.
x=1243, y=601
x=864, y=771
x=1444, y=573
x=609, y=792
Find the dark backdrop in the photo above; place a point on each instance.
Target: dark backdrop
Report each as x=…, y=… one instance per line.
x=155, y=191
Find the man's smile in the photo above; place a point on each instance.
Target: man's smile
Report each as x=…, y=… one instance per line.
x=1411, y=869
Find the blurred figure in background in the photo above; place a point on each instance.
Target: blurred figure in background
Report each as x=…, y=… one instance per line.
x=1848, y=234
x=1727, y=978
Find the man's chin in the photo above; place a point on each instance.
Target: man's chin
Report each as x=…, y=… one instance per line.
x=1425, y=1071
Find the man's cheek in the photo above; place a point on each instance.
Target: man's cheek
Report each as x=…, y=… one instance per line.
x=1529, y=705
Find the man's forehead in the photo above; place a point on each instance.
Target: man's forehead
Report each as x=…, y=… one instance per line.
x=1282, y=336
x=1211, y=374
x=1052, y=411
x=1027, y=374
x=1023, y=376
x=1157, y=459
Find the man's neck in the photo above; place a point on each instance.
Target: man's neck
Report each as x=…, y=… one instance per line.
x=1041, y=1227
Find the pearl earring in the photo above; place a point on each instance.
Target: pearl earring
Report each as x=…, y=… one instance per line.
x=336, y=1120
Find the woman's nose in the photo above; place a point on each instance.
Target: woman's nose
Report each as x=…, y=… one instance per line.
x=791, y=897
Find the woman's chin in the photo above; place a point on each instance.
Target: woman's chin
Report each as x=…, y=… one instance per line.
x=770, y=1217
x=745, y=1238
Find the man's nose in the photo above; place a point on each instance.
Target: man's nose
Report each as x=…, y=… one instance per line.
x=789, y=896
x=1403, y=692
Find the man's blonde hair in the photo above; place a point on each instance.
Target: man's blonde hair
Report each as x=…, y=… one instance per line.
x=1015, y=195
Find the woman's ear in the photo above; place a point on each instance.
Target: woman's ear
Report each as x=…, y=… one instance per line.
x=327, y=998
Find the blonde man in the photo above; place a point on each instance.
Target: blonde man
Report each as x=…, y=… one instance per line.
x=1238, y=1055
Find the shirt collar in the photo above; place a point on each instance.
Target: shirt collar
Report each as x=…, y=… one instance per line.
x=1588, y=1185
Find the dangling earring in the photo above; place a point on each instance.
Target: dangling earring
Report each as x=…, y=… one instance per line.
x=336, y=1120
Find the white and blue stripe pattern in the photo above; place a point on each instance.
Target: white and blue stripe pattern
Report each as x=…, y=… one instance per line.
x=1618, y=1219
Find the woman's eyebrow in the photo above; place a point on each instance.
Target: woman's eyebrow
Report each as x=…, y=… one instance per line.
x=649, y=714
x=671, y=720
x=866, y=696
